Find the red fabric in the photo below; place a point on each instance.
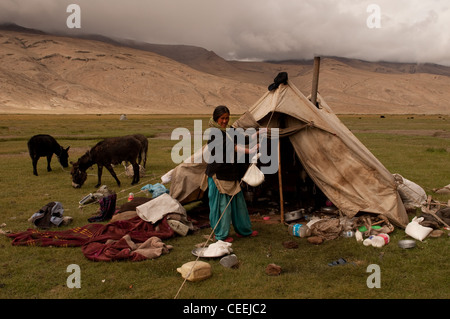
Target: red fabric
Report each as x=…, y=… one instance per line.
x=99, y=242
x=108, y=244
x=74, y=237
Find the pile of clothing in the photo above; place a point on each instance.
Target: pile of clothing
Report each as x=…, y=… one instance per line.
x=137, y=237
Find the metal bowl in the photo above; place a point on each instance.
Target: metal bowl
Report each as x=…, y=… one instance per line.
x=407, y=243
x=328, y=209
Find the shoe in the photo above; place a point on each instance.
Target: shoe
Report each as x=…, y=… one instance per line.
x=228, y=239
x=253, y=234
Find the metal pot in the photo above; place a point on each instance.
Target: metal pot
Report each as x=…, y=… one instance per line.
x=294, y=215
x=406, y=243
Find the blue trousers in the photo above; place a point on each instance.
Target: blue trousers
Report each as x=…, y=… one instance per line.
x=236, y=212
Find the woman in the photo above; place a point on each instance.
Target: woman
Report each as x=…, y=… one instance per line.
x=224, y=182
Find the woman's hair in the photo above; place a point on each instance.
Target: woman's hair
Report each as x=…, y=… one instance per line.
x=219, y=111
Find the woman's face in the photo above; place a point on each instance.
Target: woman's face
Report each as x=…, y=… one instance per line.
x=223, y=120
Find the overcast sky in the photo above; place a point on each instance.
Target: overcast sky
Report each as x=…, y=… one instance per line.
x=407, y=31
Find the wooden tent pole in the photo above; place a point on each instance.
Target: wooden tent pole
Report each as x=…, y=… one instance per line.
x=315, y=82
x=280, y=183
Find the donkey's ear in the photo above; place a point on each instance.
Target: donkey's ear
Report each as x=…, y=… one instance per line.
x=67, y=149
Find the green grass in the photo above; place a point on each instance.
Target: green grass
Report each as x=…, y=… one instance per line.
x=40, y=272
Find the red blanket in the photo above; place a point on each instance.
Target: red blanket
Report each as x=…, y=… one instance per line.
x=99, y=242
x=108, y=244
x=74, y=237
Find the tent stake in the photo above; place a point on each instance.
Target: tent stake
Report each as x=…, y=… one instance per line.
x=315, y=82
x=280, y=183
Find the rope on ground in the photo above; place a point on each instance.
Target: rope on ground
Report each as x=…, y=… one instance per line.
x=80, y=207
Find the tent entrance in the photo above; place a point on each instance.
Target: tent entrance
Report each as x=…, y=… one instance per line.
x=298, y=189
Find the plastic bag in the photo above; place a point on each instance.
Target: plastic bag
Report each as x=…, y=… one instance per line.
x=253, y=176
x=417, y=231
x=156, y=190
x=166, y=178
x=411, y=194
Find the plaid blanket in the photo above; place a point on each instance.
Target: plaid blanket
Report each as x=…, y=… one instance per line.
x=74, y=237
x=107, y=244
x=100, y=242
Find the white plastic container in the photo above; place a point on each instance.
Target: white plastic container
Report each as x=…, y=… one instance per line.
x=348, y=233
x=299, y=230
x=195, y=270
x=377, y=241
x=358, y=236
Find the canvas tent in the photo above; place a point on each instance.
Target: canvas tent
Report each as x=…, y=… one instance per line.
x=345, y=171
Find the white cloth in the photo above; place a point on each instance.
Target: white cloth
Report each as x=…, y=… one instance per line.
x=219, y=248
x=155, y=209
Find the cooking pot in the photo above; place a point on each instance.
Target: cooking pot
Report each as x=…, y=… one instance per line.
x=293, y=215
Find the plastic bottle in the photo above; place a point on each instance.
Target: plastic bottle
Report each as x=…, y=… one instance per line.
x=385, y=237
x=348, y=233
x=377, y=241
x=130, y=197
x=368, y=241
x=299, y=230
x=358, y=236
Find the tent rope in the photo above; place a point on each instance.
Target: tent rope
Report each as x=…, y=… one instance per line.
x=126, y=190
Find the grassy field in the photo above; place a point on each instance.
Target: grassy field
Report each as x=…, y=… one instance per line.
x=406, y=145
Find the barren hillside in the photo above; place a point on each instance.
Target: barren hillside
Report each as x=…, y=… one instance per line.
x=41, y=73
x=50, y=74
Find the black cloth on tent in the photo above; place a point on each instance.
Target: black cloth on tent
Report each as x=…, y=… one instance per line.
x=281, y=78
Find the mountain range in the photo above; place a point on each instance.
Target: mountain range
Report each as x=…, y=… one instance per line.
x=44, y=73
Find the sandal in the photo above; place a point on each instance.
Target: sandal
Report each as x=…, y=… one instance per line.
x=228, y=239
x=253, y=234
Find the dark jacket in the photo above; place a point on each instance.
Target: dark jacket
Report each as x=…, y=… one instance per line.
x=228, y=167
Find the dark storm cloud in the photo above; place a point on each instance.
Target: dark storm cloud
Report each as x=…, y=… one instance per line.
x=409, y=30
